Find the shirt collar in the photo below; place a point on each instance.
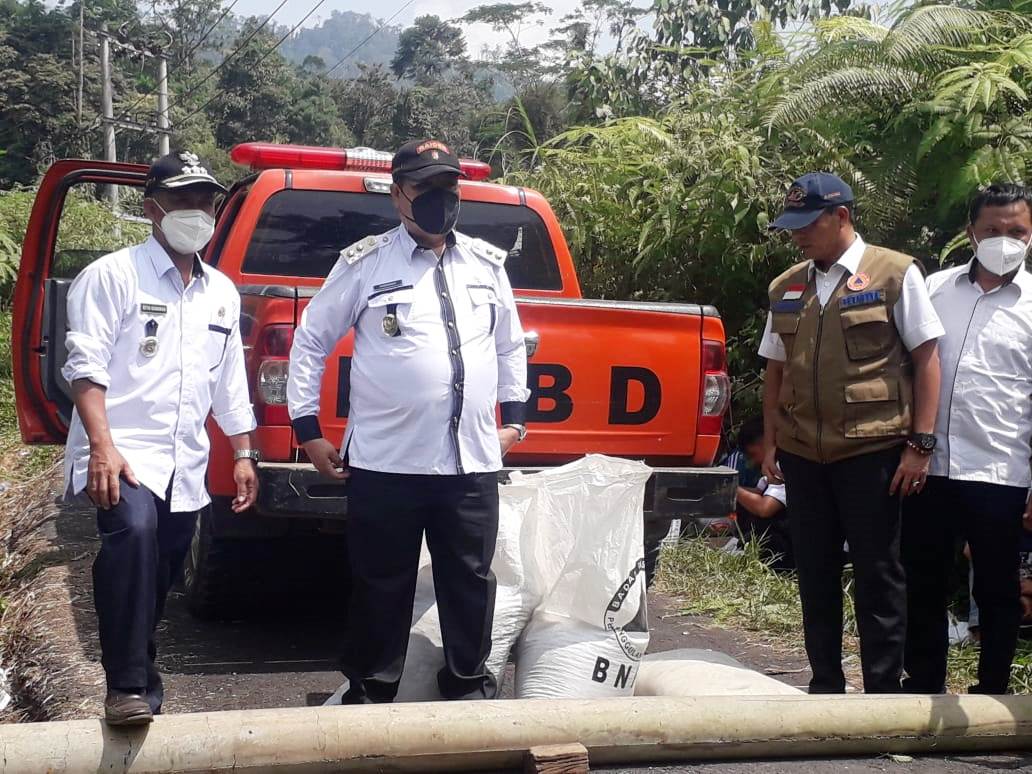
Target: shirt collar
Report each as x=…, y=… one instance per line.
x=1022, y=280
x=162, y=263
x=409, y=245
x=850, y=260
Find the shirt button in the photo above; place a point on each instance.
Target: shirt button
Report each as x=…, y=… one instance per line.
x=451, y=324
x=455, y=421
x=458, y=388
x=444, y=295
x=455, y=353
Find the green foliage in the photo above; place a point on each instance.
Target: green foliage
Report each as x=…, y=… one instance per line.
x=428, y=50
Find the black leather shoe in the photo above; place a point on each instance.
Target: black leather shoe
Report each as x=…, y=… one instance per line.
x=126, y=709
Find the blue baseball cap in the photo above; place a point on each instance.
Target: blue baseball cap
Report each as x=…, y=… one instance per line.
x=809, y=196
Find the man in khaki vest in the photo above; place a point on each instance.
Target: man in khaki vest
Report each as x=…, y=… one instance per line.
x=849, y=400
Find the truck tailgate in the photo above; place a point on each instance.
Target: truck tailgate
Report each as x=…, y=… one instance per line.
x=619, y=378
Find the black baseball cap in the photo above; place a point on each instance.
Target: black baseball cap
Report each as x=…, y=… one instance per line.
x=179, y=169
x=809, y=196
x=421, y=159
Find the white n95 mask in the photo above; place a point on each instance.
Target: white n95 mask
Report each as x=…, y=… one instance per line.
x=187, y=231
x=1001, y=254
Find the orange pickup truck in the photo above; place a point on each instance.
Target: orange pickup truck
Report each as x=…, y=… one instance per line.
x=639, y=380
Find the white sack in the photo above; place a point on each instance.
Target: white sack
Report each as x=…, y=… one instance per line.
x=692, y=672
x=591, y=629
x=562, y=658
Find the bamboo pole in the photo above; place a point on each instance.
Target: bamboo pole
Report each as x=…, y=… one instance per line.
x=456, y=736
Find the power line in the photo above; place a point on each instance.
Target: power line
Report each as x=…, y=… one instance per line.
x=125, y=113
x=224, y=62
x=264, y=56
x=369, y=37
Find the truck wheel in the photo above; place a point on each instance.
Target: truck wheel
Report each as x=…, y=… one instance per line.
x=211, y=576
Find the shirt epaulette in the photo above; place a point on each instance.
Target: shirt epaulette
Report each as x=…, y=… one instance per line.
x=488, y=252
x=363, y=247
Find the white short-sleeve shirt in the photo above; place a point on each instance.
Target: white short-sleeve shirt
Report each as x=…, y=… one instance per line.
x=984, y=424
x=914, y=315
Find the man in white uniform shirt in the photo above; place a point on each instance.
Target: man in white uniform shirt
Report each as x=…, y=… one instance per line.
x=438, y=346
x=979, y=477
x=153, y=348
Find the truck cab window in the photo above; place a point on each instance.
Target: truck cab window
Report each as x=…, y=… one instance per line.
x=300, y=234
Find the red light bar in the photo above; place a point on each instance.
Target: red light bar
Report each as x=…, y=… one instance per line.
x=268, y=155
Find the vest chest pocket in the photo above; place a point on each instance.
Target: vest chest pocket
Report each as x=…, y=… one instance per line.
x=785, y=325
x=873, y=409
x=866, y=330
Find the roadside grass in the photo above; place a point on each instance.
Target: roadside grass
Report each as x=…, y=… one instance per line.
x=26, y=478
x=739, y=590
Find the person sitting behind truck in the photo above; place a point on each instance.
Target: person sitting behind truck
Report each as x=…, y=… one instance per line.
x=761, y=507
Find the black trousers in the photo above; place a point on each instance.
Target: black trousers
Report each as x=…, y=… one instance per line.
x=142, y=549
x=988, y=517
x=387, y=515
x=849, y=501
x=774, y=535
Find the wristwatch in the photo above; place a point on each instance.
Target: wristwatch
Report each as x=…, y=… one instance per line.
x=922, y=443
x=521, y=429
x=247, y=454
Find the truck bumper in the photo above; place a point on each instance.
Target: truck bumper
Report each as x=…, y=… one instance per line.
x=296, y=490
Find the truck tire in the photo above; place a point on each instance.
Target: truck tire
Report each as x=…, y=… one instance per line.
x=211, y=577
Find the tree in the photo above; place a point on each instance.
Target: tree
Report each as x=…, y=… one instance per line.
x=516, y=60
x=428, y=50
x=367, y=105
x=254, y=91
x=192, y=26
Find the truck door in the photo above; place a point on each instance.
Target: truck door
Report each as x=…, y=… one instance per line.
x=83, y=210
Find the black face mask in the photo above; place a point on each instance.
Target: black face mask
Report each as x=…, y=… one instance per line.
x=435, y=211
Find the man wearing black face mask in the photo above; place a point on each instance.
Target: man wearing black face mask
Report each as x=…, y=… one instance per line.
x=438, y=346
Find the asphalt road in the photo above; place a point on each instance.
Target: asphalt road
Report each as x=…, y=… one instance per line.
x=285, y=656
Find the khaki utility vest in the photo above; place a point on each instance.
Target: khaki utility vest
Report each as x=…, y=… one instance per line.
x=848, y=379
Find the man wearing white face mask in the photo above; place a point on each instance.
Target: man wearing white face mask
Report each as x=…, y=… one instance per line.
x=979, y=477
x=153, y=348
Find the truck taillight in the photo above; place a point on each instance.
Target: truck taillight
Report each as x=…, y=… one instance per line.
x=270, y=155
x=716, y=387
x=272, y=358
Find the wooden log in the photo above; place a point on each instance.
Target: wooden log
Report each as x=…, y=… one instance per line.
x=556, y=759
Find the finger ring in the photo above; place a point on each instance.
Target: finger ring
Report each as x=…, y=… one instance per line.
x=915, y=483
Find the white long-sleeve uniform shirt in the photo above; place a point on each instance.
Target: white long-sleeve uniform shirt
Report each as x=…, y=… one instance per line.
x=425, y=385
x=984, y=426
x=157, y=405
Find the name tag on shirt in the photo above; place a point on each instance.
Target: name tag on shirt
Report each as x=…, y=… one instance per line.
x=862, y=299
x=794, y=293
x=787, y=306
x=153, y=309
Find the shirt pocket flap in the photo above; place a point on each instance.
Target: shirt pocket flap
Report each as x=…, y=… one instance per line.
x=784, y=324
x=872, y=391
x=482, y=294
x=397, y=296
x=876, y=313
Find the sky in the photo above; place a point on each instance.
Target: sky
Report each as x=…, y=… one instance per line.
x=477, y=36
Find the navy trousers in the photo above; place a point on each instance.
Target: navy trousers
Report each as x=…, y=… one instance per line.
x=387, y=516
x=988, y=517
x=142, y=549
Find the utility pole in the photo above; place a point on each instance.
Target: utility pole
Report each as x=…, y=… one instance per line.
x=163, y=131
x=107, y=108
x=82, y=55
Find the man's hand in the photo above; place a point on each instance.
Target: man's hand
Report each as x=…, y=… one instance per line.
x=1027, y=518
x=507, y=438
x=245, y=473
x=326, y=459
x=770, y=466
x=911, y=474
x=102, y=484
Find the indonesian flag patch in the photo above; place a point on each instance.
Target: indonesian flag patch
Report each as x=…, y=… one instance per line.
x=794, y=293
